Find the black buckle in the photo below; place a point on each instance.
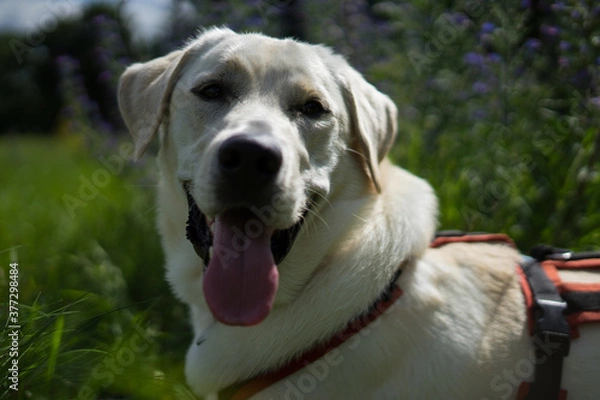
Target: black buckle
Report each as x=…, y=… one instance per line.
x=551, y=326
x=552, y=336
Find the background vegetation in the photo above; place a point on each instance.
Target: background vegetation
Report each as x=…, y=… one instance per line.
x=499, y=110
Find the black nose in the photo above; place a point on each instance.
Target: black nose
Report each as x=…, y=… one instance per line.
x=246, y=160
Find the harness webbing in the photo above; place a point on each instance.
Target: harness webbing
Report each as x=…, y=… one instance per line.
x=551, y=331
x=554, y=309
x=446, y=237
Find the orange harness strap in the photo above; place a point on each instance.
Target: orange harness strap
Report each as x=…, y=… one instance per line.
x=447, y=237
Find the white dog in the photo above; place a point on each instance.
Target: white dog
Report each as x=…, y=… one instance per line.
x=273, y=153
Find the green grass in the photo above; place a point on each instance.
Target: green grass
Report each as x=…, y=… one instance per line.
x=96, y=316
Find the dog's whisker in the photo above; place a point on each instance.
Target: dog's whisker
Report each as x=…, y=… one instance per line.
x=318, y=217
x=351, y=150
x=320, y=195
x=146, y=212
x=359, y=218
x=312, y=203
x=141, y=186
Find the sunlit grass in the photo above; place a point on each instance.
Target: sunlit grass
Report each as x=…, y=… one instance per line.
x=96, y=317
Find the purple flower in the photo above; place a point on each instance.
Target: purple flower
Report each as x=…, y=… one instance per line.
x=533, y=44
x=564, y=45
x=473, y=58
x=550, y=30
x=480, y=87
x=494, y=57
x=488, y=27
x=67, y=65
x=461, y=19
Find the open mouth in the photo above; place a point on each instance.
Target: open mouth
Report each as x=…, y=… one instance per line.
x=198, y=232
x=240, y=255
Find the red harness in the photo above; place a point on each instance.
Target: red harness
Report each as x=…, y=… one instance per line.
x=555, y=309
x=578, y=313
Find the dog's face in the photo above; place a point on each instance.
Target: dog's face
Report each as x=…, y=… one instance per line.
x=269, y=133
x=255, y=130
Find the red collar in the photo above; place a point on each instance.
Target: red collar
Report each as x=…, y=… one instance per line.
x=257, y=384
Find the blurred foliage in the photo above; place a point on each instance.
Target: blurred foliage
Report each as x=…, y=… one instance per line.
x=32, y=70
x=498, y=109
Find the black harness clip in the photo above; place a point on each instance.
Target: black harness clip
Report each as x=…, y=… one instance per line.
x=551, y=331
x=551, y=326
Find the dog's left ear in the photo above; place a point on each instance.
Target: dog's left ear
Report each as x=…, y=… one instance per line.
x=373, y=121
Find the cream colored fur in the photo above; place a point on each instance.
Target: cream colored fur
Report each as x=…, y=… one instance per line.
x=458, y=331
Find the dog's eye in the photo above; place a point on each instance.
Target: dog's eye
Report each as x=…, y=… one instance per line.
x=312, y=108
x=213, y=91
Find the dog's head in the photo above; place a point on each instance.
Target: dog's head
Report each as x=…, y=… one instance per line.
x=253, y=130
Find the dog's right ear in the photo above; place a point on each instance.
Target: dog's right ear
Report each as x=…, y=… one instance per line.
x=144, y=95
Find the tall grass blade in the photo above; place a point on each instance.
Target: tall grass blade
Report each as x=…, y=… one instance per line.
x=55, y=345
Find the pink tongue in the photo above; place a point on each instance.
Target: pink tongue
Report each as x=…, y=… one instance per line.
x=241, y=280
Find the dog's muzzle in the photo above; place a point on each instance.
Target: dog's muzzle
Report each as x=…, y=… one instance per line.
x=240, y=255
